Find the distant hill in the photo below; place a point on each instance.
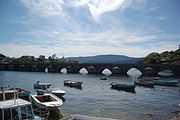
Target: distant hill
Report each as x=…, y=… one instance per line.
x=122, y=59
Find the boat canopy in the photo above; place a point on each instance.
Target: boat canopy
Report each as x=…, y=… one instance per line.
x=16, y=109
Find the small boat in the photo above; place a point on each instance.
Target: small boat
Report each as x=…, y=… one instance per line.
x=148, y=78
x=56, y=91
x=103, y=78
x=21, y=92
x=122, y=86
x=15, y=108
x=39, y=85
x=166, y=82
x=165, y=73
x=144, y=83
x=47, y=100
x=73, y=83
x=7, y=95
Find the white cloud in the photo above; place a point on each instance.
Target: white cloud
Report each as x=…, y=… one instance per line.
x=55, y=32
x=45, y=7
x=161, y=18
x=57, y=7
x=153, y=8
x=99, y=7
x=66, y=27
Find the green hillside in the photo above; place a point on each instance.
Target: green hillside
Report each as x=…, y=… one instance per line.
x=167, y=57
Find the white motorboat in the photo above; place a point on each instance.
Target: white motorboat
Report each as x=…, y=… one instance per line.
x=47, y=100
x=39, y=85
x=56, y=91
x=14, y=108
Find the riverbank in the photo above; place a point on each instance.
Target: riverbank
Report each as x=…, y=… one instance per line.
x=176, y=117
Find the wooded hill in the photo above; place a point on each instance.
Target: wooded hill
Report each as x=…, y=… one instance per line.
x=167, y=57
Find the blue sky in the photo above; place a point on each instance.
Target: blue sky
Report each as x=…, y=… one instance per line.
x=88, y=27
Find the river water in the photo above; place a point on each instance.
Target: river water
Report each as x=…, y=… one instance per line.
x=96, y=98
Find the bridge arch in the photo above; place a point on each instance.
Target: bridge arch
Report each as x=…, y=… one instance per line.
x=106, y=72
x=83, y=71
x=116, y=70
x=70, y=69
x=148, y=71
x=46, y=70
x=91, y=69
x=134, y=71
x=63, y=70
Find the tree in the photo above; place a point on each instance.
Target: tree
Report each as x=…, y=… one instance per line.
x=152, y=58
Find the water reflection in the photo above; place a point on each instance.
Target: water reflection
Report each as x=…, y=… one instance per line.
x=76, y=87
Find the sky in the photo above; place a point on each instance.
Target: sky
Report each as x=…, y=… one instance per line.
x=88, y=27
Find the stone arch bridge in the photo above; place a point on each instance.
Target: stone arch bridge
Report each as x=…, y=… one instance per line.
x=92, y=68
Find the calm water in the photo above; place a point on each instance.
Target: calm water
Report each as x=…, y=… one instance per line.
x=96, y=98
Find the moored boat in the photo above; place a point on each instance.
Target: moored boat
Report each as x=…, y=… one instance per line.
x=21, y=92
x=7, y=95
x=123, y=86
x=56, y=91
x=144, y=83
x=39, y=85
x=165, y=73
x=46, y=100
x=73, y=83
x=13, y=108
x=166, y=82
x=103, y=78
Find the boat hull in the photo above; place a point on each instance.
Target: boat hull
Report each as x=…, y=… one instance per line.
x=58, y=93
x=165, y=74
x=144, y=83
x=24, y=94
x=47, y=100
x=166, y=83
x=123, y=87
x=103, y=78
x=41, y=86
x=72, y=83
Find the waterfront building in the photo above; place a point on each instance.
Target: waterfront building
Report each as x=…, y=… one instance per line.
x=42, y=57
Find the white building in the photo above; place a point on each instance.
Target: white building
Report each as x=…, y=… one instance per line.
x=42, y=57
